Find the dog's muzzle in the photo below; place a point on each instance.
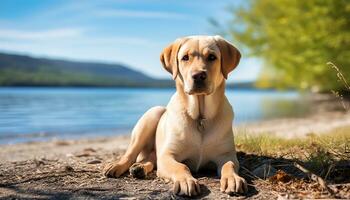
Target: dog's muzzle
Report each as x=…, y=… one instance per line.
x=199, y=83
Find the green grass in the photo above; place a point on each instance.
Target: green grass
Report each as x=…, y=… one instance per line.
x=269, y=144
x=321, y=153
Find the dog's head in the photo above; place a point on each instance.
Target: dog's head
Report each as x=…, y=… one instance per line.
x=201, y=63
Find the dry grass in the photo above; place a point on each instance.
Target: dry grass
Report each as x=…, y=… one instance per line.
x=335, y=143
x=319, y=151
x=341, y=79
x=326, y=156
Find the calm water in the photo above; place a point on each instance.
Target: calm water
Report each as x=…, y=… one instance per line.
x=28, y=114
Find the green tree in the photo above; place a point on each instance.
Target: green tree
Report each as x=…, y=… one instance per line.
x=296, y=39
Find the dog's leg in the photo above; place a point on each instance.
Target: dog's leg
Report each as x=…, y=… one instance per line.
x=142, y=134
x=230, y=181
x=184, y=183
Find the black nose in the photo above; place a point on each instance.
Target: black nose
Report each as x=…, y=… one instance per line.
x=199, y=76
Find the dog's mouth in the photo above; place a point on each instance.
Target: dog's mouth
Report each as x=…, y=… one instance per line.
x=197, y=93
x=199, y=89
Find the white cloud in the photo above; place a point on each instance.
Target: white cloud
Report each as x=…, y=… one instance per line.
x=139, y=14
x=14, y=34
x=121, y=40
x=66, y=35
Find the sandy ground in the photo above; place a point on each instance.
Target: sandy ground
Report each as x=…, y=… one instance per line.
x=72, y=168
x=299, y=127
x=327, y=113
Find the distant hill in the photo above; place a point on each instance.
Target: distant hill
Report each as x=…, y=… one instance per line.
x=19, y=70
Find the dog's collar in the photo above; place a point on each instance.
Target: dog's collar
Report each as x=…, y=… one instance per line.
x=201, y=118
x=200, y=123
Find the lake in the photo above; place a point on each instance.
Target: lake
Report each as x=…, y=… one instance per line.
x=31, y=114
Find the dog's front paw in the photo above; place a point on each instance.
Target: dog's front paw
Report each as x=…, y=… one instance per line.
x=113, y=170
x=233, y=184
x=187, y=186
x=116, y=169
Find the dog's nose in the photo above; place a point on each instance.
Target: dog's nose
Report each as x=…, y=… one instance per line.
x=199, y=76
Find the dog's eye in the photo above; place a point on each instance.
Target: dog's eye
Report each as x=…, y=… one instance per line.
x=185, y=58
x=211, y=57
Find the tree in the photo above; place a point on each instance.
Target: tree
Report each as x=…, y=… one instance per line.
x=296, y=39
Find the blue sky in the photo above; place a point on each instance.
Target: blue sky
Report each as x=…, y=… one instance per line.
x=132, y=32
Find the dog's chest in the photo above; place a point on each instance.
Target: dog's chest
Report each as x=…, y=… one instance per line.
x=203, y=148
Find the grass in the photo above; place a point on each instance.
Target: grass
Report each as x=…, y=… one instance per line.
x=341, y=79
x=323, y=154
x=268, y=144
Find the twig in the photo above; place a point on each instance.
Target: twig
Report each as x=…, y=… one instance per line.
x=314, y=177
x=252, y=175
x=329, y=171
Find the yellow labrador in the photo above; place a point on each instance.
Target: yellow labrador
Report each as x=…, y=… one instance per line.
x=195, y=128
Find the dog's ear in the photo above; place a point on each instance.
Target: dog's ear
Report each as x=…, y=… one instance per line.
x=169, y=57
x=230, y=55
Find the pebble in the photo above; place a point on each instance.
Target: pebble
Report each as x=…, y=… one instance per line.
x=94, y=161
x=68, y=168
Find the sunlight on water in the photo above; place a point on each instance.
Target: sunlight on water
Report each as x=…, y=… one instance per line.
x=39, y=113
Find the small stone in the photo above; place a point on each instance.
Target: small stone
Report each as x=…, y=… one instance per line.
x=264, y=171
x=39, y=162
x=69, y=155
x=68, y=168
x=89, y=150
x=82, y=154
x=94, y=162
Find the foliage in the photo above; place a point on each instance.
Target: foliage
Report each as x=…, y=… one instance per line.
x=296, y=39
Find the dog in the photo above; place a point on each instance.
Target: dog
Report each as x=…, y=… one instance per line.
x=195, y=128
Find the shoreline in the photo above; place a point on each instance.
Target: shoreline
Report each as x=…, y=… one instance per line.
x=285, y=128
x=298, y=127
x=327, y=114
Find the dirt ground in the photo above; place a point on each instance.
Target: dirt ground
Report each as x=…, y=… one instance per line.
x=72, y=169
